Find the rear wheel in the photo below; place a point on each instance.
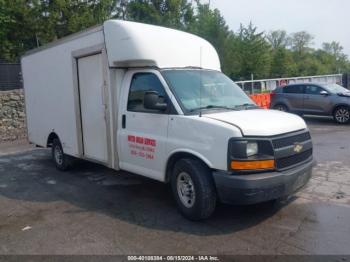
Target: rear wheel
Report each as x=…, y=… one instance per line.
x=281, y=107
x=62, y=161
x=341, y=115
x=193, y=189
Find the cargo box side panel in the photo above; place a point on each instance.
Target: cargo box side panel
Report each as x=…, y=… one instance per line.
x=50, y=94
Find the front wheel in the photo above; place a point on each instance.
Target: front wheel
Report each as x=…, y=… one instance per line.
x=341, y=115
x=193, y=189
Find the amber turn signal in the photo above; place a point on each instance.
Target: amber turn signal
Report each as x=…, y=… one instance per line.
x=253, y=165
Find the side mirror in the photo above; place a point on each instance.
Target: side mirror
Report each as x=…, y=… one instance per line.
x=151, y=101
x=324, y=93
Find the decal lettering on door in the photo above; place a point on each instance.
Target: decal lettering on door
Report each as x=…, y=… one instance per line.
x=142, y=147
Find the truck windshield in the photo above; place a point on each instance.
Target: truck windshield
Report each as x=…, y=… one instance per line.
x=205, y=89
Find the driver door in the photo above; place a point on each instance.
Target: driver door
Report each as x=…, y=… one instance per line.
x=142, y=138
x=314, y=101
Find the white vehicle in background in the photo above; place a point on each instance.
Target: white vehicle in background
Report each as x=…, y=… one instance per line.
x=152, y=101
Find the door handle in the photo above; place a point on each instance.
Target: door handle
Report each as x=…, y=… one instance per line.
x=123, y=121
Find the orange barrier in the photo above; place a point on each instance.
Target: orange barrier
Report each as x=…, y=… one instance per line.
x=262, y=100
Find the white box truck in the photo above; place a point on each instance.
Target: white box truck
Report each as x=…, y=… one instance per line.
x=152, y=101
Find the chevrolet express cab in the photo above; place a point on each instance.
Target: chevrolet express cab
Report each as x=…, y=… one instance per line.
x=153, y=101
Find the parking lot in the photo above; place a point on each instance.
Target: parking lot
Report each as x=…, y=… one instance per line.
x=94, y=210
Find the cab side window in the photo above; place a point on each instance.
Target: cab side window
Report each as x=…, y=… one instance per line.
x=140, y=84
x=294, y=89
x=313, y=90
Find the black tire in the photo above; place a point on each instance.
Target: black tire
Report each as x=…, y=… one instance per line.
x=341, y=115
x=281, y=107
x=62, y=161
x=204, y=202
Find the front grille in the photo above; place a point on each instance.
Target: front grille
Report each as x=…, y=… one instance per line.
x=293, y=159
x=290, y=140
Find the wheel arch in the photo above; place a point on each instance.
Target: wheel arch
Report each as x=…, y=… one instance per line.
x=339, y=105
x=179, y=154
x=50, y=138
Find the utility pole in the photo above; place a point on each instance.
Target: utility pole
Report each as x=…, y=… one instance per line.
x=252, y=87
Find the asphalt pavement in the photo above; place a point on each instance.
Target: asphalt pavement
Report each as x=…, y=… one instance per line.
x=95, y=210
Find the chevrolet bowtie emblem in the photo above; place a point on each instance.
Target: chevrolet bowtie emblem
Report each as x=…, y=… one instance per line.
x=297, y=148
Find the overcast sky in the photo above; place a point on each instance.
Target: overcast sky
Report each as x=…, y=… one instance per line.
x=326, y=20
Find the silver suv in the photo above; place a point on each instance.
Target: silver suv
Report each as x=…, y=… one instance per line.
x=313, y=99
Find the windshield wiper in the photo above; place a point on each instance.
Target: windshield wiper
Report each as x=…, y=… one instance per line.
x=212, y=107
x=246, y=106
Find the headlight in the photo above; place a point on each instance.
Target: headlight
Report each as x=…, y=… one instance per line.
x=252, y=149
x=247, y=155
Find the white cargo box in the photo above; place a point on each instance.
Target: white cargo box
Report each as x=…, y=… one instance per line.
x=72, y=85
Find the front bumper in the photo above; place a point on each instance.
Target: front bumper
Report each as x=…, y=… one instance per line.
x=256, y=188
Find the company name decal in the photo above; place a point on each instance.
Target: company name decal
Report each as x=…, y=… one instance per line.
x=142, y=146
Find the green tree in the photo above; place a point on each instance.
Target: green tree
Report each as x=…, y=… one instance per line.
x=19, y=28
x=282, y=64
x=310, y=65
x=277, y=39
x=26, y=24
x=300, y=42
x=61, y=17
x=332, y=54
x=210, y=25
x=6, y=19
x=254, y=52
x=303, y=54
x=170, y=13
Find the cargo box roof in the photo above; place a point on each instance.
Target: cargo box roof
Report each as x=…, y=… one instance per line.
x=131, y=44
x=134, y=44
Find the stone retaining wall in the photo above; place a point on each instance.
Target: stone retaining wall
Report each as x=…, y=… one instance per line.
x=12, y=115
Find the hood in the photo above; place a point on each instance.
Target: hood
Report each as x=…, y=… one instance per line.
x=345, y=94
x=261, y=122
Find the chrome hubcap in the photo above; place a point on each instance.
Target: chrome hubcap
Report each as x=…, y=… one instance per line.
x=58, y=155
x=185, y=189
x=342, y=115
